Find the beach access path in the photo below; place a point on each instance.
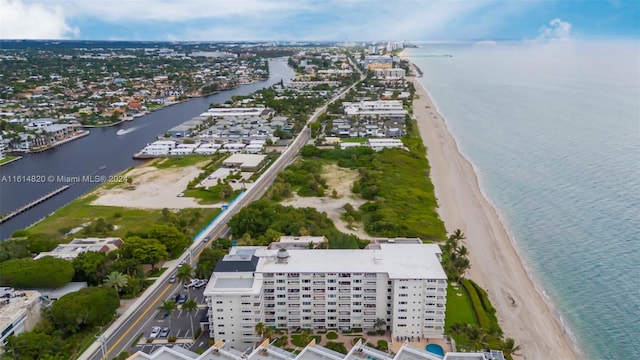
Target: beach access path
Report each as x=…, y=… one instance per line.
x=495, y=264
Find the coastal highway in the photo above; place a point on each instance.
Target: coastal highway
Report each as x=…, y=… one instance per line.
x=125, y=329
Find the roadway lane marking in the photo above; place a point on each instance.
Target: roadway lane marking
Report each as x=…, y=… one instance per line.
x=144, y=313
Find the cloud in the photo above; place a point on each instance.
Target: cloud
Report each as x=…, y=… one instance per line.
x=557, y=30
x=20, y=20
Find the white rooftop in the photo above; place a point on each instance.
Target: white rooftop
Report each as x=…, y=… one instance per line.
x=407, y=261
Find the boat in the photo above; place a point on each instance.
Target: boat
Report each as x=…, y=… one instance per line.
x=121, y=132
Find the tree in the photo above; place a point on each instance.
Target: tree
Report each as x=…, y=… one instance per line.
x=168, y=235
x=90, y=266
x=510, y=348
x=89, y=307
x=14, y=249
x=184, y=274
x=28, y=273
x=269, y=332
x=207, y=262
x=116, y=280
x=145, y=251
x=380, y=323
x=259, y=328
x=168, y=307
x=191, y=307
x=34, y=345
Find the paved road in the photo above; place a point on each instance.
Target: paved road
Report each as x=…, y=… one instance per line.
x=130, y=325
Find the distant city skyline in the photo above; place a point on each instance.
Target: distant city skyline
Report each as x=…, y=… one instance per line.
x=312, y=20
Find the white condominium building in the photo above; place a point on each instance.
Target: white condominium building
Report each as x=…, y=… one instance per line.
x=404, y=284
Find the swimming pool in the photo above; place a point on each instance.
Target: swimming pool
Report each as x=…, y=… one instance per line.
x=435, y=349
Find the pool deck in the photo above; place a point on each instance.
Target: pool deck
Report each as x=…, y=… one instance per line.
x=422, y=344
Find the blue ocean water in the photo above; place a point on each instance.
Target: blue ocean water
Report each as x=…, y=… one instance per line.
x=554, y=132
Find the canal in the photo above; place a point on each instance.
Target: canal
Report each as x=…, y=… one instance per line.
x=100, y=153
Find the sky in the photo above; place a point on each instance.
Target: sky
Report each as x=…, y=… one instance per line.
x=319, y=20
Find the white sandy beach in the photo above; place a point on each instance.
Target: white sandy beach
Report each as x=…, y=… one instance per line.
x=496, y=266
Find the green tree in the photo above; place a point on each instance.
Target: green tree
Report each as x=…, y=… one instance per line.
x=207, y=262
x=259, y=329
x=269, y=332
x=168, y=235
x=14, y=249
x=191, y=307
x=380, y=323
x=48, y=272
x=116, y=280
x=168, y=307
x=89, y=307
x=90, y=266
x=145, y=251
x=184, y=275
x=510, y=348
x=34, y=345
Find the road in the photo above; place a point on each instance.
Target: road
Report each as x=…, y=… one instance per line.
x=126, y=329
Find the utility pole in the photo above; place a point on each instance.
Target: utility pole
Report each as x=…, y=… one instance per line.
x=103, y=345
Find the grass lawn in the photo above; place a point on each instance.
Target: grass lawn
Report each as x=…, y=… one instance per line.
x=295, y=339
x=356, y=140
x=8, y=158
x=459, y=308
x=181, y=161
x=126, y=219
x=210, y=195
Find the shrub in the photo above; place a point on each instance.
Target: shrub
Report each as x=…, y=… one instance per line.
x=332, y=336
x=381, y=332
x=483, y=319
x=383, y=345
x=172, y=339
x=47, y=272
x=336, y=346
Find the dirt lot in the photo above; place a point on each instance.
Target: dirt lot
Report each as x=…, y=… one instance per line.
x=338, y=179
x=153, y=188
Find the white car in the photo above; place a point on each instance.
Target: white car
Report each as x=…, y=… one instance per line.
x=155, y=331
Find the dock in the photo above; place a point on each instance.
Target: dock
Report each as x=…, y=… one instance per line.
x=33, y=203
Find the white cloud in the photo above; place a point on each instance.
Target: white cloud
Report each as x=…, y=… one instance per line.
x=557, y=30
x=20, y=20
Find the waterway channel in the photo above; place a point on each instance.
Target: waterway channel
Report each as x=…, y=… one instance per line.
x=102, y=153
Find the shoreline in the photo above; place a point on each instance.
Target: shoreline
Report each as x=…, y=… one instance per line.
x=524, y=310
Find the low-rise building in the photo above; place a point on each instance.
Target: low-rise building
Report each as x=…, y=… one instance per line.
x=244, y=162
x=384, y=109
x=77, y=246
x=384, y=143
x=19, y=312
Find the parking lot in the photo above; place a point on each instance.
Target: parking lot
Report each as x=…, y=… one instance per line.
x=179, y=324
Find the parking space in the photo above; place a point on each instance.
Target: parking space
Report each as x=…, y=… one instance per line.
x=159, y=328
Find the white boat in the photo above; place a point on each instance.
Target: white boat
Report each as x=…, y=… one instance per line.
x=121, y=132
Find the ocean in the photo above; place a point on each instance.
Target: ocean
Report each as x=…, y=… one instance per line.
x=553, y=130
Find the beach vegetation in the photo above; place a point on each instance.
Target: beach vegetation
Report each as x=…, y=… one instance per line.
x=400, y=196
x=264, y=221
x=47, y=272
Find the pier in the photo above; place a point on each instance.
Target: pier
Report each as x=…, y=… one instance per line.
x=33, y=203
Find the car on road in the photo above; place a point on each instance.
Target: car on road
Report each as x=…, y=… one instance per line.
x=155, y=331
x=181, y=194
x=191, y=284
x=164, y=332
x=200, y=283
x=172, y=279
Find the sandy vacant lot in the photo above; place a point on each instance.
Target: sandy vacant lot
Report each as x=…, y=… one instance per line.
x=153, y=188
x=338, y=179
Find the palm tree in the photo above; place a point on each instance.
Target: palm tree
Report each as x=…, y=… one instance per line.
x=510, y=348
x=191, y=307
x=168, y=307
x=116, y=280
x=380, y=323
x=259, y=328
x=184, y=274
x=269, y=332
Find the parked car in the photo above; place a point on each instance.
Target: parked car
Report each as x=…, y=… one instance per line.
x=164, y=332
x=182, y=298
x=191, y=284
x=155, y=331
x=200, y=283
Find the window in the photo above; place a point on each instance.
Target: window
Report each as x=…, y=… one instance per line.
x=220, y=310
x=282, y=303
x=306, y=296
x=306, y=281
x=280, y=288
x=280, y=281
x=219, y=302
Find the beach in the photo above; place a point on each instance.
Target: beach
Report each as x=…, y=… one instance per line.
x=495, y=263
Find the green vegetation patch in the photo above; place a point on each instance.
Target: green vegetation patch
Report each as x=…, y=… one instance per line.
x=213, y=194
x=396, y=183
x=336, y=346
x=264, y=221
x=459, y=308
x=303, y=176
x=48, y=272
x=303, y=340
x=332, y=335
x=184, y=161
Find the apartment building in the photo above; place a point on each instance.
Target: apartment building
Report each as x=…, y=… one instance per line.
x=291, y=288
x=384, y=109
x=19, y=312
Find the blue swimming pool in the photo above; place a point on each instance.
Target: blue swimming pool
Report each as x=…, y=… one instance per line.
x=435, y=349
